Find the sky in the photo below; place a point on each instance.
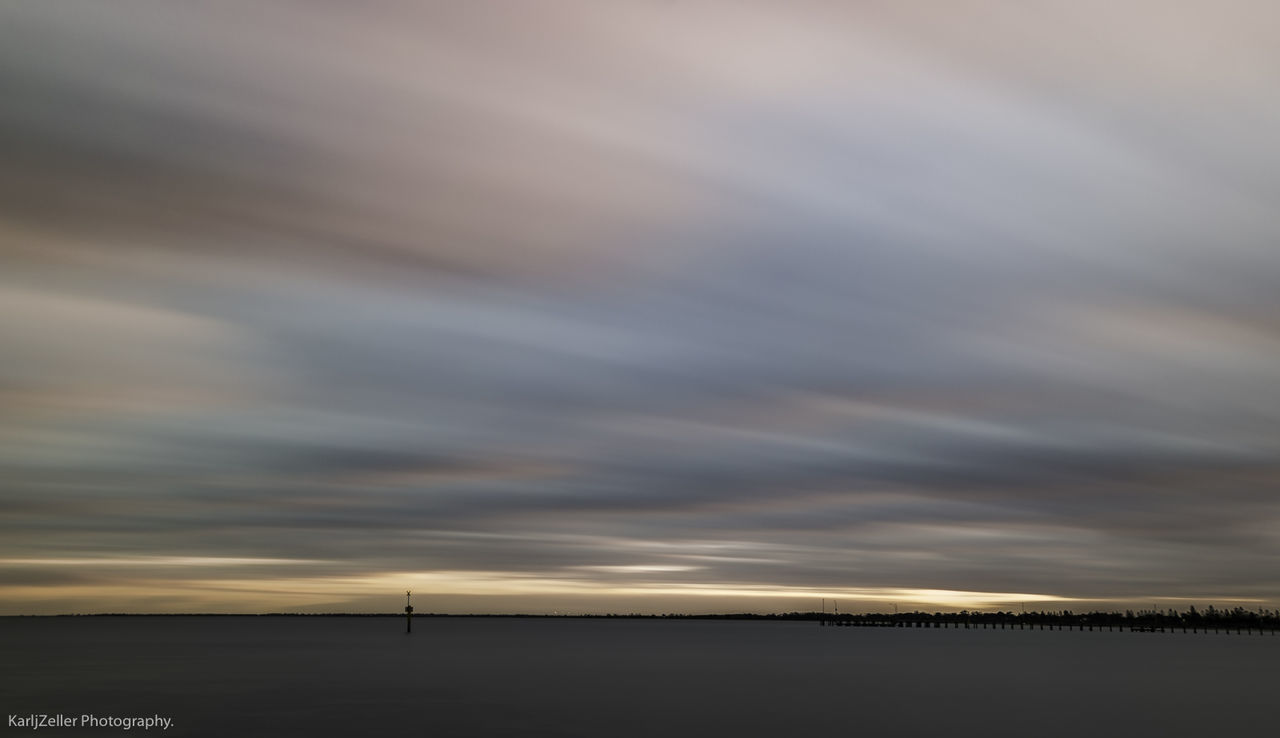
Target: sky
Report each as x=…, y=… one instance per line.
x=660, y=306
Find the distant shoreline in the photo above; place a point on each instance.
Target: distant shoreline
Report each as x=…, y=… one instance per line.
x=1193, y=619
x=592, y=616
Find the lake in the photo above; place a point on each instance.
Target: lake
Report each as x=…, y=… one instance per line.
x=295, y=676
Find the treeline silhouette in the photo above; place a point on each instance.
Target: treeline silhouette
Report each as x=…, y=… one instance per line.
x=1209, y=620
x=1192, y=620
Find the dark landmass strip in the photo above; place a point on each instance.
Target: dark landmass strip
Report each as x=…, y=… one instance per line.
x=1193, y=620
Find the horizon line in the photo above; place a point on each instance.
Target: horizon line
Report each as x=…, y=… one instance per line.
x=1209, y=610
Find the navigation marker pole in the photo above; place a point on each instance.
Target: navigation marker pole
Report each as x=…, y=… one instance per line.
x=408, y=613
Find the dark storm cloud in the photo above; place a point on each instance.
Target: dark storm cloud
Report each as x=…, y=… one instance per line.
x=731, y=297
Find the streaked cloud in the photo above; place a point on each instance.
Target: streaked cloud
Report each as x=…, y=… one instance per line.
x=663, y=305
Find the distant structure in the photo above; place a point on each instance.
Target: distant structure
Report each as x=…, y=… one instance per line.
x=408, y=613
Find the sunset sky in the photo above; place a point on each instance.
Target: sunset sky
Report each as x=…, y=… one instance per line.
x=639, y=306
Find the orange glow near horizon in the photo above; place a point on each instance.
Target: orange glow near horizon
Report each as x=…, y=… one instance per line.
x=499, y=591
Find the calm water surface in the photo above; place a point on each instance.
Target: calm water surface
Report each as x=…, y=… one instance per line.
x=619, y=678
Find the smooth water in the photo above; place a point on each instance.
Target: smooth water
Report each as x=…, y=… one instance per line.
x=570, y=677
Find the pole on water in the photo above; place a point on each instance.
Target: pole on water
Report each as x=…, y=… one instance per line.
x=408, y=613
